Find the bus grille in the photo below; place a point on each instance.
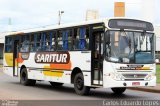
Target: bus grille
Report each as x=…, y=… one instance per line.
x=134, y=76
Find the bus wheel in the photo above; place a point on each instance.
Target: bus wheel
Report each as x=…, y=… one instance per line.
x=54, y=84
x=24, y=78
x=79, y=85
x=118, y=90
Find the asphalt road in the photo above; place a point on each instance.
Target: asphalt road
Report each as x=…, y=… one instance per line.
x=11, y=89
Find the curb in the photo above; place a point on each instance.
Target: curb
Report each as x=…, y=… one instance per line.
x=146, y=89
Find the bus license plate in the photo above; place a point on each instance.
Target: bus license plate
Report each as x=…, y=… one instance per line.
x=135, y=83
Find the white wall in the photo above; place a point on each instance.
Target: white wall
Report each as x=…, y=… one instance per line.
x=2, y=36
x=157, y=33
x=157, y=43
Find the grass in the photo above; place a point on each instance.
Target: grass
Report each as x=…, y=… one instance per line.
x=158, y=74
x=1, y=66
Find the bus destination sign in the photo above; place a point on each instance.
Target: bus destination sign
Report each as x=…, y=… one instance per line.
x=130, y=24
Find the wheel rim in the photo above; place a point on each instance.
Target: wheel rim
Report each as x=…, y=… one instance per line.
x=79, y=83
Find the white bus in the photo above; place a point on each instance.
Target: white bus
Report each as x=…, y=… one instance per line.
x=110, y=53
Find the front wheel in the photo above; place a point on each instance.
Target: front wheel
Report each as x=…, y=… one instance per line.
x=24, y=78
x=79, y=86
x=118, y=90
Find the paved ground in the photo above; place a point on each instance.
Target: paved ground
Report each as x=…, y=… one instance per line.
x=155, y=89
x=11, y=89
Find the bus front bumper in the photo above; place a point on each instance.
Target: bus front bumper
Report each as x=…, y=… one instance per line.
x=109, y=83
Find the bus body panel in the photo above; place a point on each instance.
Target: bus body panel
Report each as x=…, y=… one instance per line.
x=54, y=72
x=8, y=64
x=109, y=83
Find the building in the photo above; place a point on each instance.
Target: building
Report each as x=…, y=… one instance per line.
x=1, y=46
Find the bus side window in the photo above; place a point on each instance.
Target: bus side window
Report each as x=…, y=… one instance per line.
x=84, y=38
x=70, y=39
x=65, y=39
x=82, y=42
x=87, y=38
x=45, y=41
x=48, y=42
x=8, y=44
x=38, y=42
x=76, y=39
x=25, y=44
x=52, y=40
x=32, y=43
x=42, y=41
x=59, y=40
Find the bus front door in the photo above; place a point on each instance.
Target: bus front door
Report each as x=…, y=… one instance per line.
x=97, y=58
x=15, y=57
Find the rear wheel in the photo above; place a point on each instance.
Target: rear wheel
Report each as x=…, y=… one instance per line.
x=24, y=78
x=54, y=84
x=79, y=86
x=118, y=90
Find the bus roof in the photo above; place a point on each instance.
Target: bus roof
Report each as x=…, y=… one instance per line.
x=52, y=27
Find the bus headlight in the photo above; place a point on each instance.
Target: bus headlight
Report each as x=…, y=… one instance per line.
x=116, y=76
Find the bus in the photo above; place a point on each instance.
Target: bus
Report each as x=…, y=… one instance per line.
x=111, y=53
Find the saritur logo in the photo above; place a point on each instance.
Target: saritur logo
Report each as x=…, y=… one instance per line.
x=52, y=57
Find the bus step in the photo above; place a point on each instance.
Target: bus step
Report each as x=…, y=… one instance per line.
x=96, y=86
x=97, y=82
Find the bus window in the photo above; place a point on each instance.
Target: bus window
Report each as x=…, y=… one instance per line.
x=24, y=43
x=45, y=41
x=42, y=42
x=32, y=43
x=8, y=44
x=53, y=41
x=81, y=38
x=24, y=38
x=67, y=39
x=87, y=38
x=75, y=39
x=59, y=40
x=37, y=41
x=70, y=39
x=84, y=38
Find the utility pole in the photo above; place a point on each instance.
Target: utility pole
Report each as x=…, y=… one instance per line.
x=59, y=16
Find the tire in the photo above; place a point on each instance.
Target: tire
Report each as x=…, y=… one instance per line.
x=118, y=90
x=79, y=87
x=55, y=84
x=24, y=78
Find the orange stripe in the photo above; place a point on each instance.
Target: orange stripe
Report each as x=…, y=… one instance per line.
x=61, y=66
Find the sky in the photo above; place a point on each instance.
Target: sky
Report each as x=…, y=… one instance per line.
x=26, y=14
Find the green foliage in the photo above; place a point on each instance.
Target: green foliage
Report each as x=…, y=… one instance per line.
x=158, y=73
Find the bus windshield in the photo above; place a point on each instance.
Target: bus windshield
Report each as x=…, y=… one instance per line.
x=130, y=47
